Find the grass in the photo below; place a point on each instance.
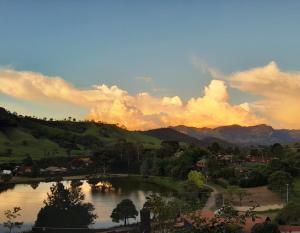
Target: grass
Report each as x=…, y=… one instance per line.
x=22, y=143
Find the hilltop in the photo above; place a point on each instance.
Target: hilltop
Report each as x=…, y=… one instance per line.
x=250, y=135
x=176, y=135
x=21, y=136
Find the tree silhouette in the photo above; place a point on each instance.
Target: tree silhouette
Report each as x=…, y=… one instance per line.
x=64, y=207
x=11, y=215
x=124, y=211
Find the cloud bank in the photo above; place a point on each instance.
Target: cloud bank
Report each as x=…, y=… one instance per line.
x=279, y=92
x=140, y=111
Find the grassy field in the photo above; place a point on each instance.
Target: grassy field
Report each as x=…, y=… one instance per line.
x=21, y=144
x=17, y=143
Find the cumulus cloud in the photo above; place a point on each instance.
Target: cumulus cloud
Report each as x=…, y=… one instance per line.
x=279, y=92
x=140, y=111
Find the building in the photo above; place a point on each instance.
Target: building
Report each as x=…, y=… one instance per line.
x=53, y=170
x=6, y=172
x=201, y=164
x=289, y=229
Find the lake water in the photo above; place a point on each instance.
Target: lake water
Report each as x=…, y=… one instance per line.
x=30, y=199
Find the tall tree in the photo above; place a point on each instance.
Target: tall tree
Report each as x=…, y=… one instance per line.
x=11, y=216
x=64, y=207
x=124, y=211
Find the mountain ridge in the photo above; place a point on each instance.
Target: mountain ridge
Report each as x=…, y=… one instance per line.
x=257, y=134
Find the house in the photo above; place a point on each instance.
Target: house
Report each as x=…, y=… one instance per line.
x=256, y=159
x=24, y=169
x=6, y=172
x=201, y=164
x=53, y=170
x=226, y=159
x=81, y=162
x=289, y=229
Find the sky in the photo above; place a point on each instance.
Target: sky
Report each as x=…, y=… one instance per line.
x=148, y=64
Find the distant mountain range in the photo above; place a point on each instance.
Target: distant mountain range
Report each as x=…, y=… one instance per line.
x=236, y=134
x=170, y=134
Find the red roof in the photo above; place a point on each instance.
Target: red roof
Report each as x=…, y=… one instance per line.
x=248, y=225
x=289, y=229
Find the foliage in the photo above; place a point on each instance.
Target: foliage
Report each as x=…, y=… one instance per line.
x=6, y=177
x=278, y=181
x=64, y=207
x=266, y=227
x=11, y=216
x=197, y=178
x=124, y=211
x=227, y=220
x=21, y=136
x=290, y=214
x=162, y=212
x=253, y=179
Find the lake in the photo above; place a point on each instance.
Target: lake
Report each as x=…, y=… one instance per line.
x=30, y=198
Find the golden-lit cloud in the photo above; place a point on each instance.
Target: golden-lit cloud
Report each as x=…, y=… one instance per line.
x=279, y=93
x=140, y=111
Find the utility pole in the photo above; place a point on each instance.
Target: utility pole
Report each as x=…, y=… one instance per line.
x=223, y=200
x=287, y=193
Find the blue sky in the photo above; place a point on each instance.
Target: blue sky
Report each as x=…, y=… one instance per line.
x=114, y=41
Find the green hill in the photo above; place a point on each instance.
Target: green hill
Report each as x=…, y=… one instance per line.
x=21, y=136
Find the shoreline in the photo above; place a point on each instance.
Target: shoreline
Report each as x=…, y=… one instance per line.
x=24, y=179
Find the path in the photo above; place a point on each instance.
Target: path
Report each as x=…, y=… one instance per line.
x=211, y=201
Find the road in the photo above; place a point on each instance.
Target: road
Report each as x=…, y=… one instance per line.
x=211, y=202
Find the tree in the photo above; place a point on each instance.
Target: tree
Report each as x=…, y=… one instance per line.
x=162, y=211
x=266, y=227
x=290, y=214
x=277, y=150
x=64, y=207
x=11, y=216
x=8, y=152
x=227, y=220
x=197, y=178
x=215, y=148
x=6, y=177
x=278, y=181
x=124, y=211
x=145, y=167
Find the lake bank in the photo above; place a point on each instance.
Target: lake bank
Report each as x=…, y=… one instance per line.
x=30, y=197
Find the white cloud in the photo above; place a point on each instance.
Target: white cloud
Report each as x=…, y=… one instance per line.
x=279, y=92
x=141, y=111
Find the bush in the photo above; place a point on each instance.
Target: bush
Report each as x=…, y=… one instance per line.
x=265, y=228
x=278, y=180
x=289, y=215
x=253, y=179
x=6, y=177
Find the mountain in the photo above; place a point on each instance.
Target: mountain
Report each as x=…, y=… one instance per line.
x=169, y=134
x=21, y=136
x=250, y=135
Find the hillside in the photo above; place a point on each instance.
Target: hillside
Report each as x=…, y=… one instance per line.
x=251, y=135
x=169, y=134
x=21, y=136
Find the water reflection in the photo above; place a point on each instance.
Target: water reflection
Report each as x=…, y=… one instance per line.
x=5, y=187
x=30, y=197
x=34, y=185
